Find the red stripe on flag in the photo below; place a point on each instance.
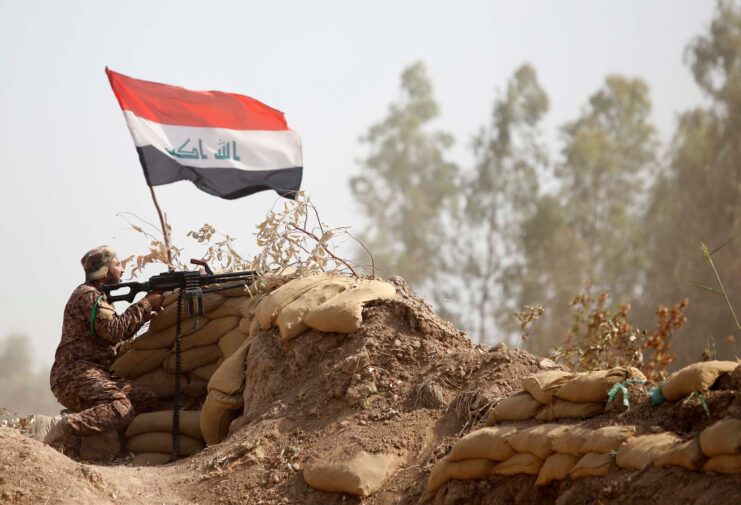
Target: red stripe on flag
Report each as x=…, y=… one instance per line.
x=174, y=105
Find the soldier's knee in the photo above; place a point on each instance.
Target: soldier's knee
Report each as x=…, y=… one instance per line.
x=124, y=409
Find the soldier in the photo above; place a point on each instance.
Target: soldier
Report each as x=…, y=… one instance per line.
x=91, y=335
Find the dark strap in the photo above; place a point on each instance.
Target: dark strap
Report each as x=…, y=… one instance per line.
x=92, y=317
x=176, y=389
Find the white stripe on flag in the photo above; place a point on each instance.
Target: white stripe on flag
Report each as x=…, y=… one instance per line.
x=203, y=147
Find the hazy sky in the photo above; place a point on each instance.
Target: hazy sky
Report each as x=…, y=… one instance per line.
x=69, y=164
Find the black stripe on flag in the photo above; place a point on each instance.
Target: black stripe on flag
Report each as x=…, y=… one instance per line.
x=228, y=183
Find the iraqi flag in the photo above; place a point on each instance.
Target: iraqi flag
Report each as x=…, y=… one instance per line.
x=228, y=145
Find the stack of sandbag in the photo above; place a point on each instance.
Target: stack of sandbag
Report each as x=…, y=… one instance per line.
x=556, y=452
x=150, y=358
x=325, y=302
x=697, y=377
x=473, y=456
x=505, y=450
x=721, y=443
x=224, y=400
x=149, y=436
x=558, y=394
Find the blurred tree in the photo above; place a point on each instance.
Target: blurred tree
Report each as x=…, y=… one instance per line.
x=501, y=192
x=23, y=390
x=590, y=228
x=698, y=197
x=406, y=186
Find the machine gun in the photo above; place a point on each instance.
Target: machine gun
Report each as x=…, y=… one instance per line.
x=190, y=284
x=191, y=287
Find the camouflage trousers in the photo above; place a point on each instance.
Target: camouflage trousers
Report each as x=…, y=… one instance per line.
x=101, y=402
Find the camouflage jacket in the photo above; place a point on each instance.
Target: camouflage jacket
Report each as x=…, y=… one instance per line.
x=78, y=346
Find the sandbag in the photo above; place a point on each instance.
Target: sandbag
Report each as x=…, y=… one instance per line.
x=244, y=325
x=721, y=438
x=592, y=464
x=134, y=363
x=170, y=297
x=150, y=459
x=725, y=463
x=162, y=442
x=362, y=475
x=271, y=305
x=519, y=463
x=161, y=382
x=695, y=377
x=231, y=307
x=229, y=343
x=193, y=358
x=486, y=443
x=161, y=420
x=344, y=312
x=571, y=441
x=687, y=454
x=537, y=440
x=209, y=332
x=514, y=408
x=640, y=452
x=607, y=439
x=445, y=470
x=205, y=372
x=254, y=327
x=219, y=410
x=168, y=316
x=594, y=386
x=542, y=385
x=247, y=309
x=161, y=339
x=562, y=409
x=229, y=376
x=556, y=467
x=290, y=320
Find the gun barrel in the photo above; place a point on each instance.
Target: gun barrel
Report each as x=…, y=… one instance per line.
x=222, y=288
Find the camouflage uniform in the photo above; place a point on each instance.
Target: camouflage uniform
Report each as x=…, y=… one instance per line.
x=80, y=379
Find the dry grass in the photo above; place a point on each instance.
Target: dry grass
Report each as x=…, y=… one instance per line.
x=471, y=407
x=602, y=337
x=430, y=395
x=292, y=242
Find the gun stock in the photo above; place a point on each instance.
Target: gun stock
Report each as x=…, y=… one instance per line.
x=134, y=288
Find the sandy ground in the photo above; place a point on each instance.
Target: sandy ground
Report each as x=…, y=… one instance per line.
x=407, y=384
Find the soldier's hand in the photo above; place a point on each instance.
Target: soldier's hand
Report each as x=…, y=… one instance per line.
x=155, y=299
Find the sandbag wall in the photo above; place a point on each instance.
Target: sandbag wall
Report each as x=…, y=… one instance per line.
x=214, y=354
x=558, y=394
x=150, y=360
x=324, y=302
x=149, y=436
x=555, y=451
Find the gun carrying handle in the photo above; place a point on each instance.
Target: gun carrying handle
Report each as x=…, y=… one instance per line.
x=202, y=264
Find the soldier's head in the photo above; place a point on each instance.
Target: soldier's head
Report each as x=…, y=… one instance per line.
x=102, y=264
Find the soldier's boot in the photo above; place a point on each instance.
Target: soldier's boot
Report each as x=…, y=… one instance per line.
x=40, y=427
x=104, y=446
x=60, y=432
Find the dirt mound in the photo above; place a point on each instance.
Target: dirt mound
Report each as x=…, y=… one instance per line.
x=32, y=473
x=404, y=388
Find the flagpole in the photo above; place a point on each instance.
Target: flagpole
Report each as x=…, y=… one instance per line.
x=165, y=230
